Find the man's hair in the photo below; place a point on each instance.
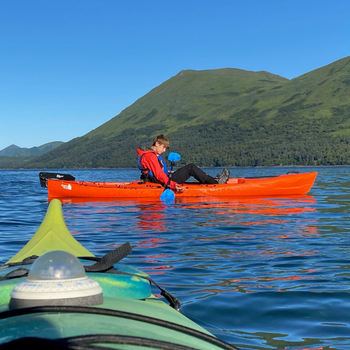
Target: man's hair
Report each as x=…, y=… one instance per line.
x=162, y=140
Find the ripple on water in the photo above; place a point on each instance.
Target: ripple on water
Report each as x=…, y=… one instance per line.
x=261, y=273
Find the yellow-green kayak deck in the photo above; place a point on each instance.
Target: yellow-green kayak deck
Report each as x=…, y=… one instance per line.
x=130, y=317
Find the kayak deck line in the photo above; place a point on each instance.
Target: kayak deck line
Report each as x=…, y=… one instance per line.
x=118, y=314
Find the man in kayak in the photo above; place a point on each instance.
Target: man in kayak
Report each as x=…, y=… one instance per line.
x=153, y=168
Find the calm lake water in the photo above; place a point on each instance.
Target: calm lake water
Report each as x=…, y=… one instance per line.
x=260, y=273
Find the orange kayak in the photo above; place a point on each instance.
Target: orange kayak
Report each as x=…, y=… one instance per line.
x=281, y=185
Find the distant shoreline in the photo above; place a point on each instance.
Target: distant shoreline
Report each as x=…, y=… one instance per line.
x=203, y=167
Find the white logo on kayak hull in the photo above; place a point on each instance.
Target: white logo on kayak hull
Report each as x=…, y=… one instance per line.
x=67, y=187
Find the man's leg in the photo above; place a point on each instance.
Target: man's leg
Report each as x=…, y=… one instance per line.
x=184, y=173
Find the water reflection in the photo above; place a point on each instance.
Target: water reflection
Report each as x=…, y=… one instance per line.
x=154, y=214
x=243, y=223
x=261, y=273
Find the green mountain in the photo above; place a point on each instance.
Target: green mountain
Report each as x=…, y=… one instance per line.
x=226, y=117
x=14, y=150
x=14, y=157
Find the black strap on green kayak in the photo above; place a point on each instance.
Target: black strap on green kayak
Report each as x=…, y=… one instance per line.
x=173, y=301
x=26, y=261
x=20, y=272
x=102, y=264
x=115, y=313
x=87, y=342
x=111, y=258
x=105, y=264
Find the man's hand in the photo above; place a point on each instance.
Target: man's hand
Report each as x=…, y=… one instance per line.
x=179, y=188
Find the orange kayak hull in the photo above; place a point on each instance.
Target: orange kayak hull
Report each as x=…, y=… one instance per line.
x=282, y=185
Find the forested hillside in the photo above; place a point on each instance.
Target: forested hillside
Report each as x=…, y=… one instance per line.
x=226, y=117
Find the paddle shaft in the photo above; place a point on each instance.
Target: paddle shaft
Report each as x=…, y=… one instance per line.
x=171, y=172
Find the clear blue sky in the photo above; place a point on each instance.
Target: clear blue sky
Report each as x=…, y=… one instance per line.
x=68, y=66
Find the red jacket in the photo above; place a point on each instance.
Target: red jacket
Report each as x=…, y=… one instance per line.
x=150, y=162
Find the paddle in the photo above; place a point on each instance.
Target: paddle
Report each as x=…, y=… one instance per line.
x=168, y=195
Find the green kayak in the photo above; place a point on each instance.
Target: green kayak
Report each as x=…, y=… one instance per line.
x=56, y=294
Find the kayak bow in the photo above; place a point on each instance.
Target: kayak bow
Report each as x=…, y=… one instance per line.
x=126, y=314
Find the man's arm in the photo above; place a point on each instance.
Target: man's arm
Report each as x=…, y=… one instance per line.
x=150, y=161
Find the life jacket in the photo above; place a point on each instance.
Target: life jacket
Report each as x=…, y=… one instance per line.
x=146, y=171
